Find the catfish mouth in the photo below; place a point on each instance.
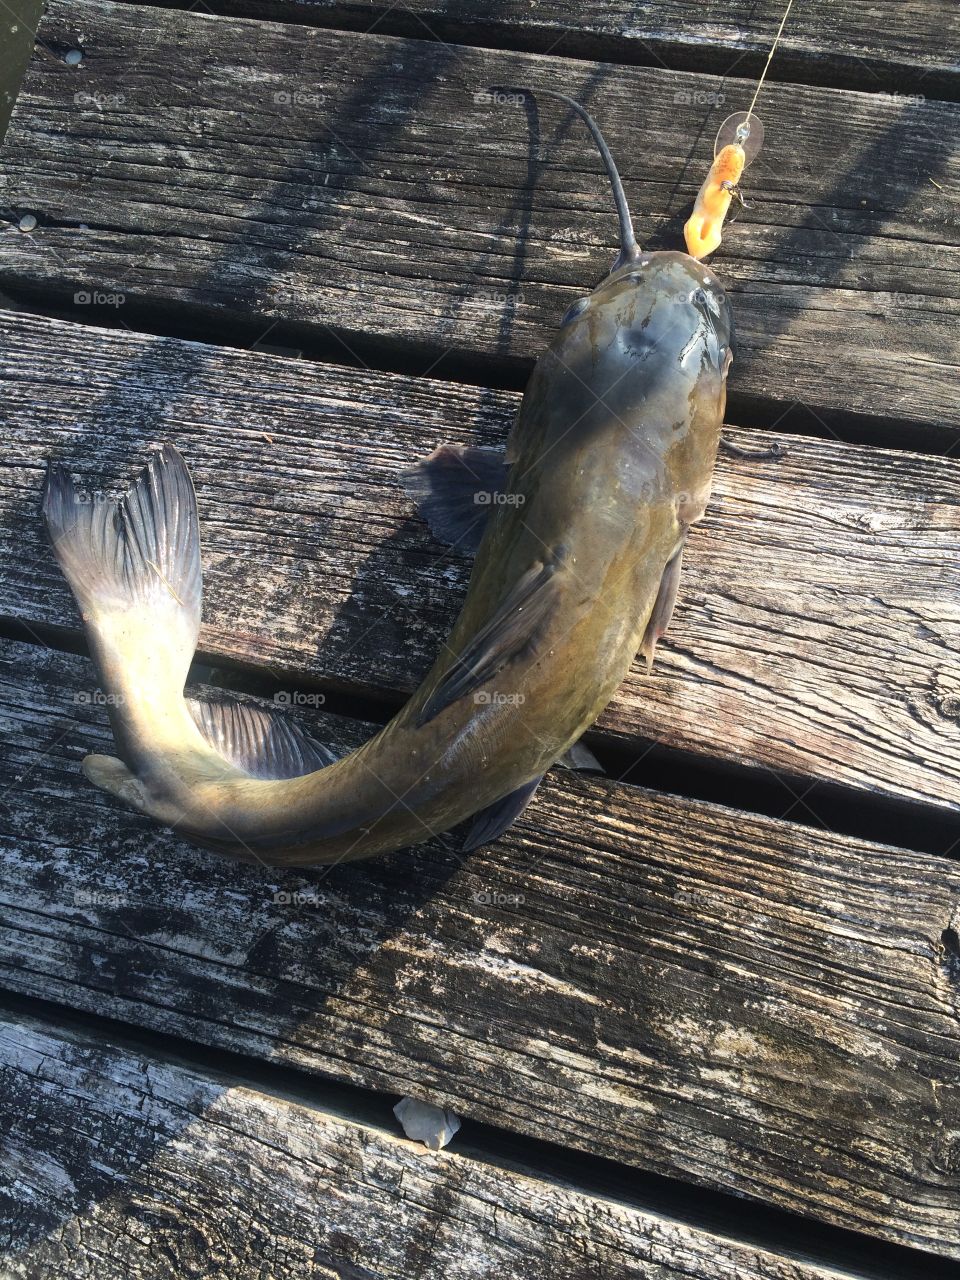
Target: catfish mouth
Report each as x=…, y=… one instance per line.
x=661, y=260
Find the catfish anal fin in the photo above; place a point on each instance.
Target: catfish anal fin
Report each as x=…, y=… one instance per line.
x=490, y=823
x=455, y=488
x=258, y=740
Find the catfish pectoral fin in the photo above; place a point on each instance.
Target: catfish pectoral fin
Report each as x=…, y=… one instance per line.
x=510, y=632
x=663, y=606
x=455, y=489
x=492, y=822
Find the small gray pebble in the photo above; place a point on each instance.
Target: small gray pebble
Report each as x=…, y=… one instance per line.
x=73, y=58
x=423, y=1122
x=27, y=223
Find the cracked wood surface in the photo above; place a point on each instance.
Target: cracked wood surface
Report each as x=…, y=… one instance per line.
x=336, y=182
x=726, y=999
x=716, y=997
x=819, y=622
x=909, y=48
x=142, y=1166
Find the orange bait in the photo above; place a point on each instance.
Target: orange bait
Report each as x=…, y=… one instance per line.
x=738, y=142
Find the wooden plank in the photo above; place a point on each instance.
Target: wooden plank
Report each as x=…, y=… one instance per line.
x=731, y=1000
x=820, y=615
x=399, y=212
x=123, y=1163
x=15, y=53
x=906, y=48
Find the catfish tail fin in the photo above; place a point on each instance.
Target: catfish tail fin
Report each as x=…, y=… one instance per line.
x=138, y=549
x=133, y=565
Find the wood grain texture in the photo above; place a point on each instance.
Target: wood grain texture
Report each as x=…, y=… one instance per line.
x=132, y=1166
x=819, y=622
x=730, y=1000
x=15, y=51
x=326, y=181
x=906, y=47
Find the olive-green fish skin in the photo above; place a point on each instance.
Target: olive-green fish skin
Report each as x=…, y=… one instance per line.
x=612, y=457
x=610, y=461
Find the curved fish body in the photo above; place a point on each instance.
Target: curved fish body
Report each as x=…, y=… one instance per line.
x=609, y=462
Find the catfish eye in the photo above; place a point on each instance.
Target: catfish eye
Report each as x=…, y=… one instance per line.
x=577, y=309
x=712, y=299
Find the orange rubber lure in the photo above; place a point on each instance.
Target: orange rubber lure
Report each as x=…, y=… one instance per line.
x=738, y=141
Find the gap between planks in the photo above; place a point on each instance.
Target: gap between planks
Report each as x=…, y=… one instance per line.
x=327, y=346
x=823, y=43
x=420, y=205
x=710, y=996
x=100, y=1065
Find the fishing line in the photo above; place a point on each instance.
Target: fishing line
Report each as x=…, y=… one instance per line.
x=773, y=49
x=739, y=139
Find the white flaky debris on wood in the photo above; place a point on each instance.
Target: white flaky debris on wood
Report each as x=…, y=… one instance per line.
x=423, y=1122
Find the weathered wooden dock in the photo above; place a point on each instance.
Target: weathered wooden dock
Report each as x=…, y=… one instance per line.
x=700, y=1015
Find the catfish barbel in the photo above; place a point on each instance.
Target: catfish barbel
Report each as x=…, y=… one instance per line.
x=578, y=528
